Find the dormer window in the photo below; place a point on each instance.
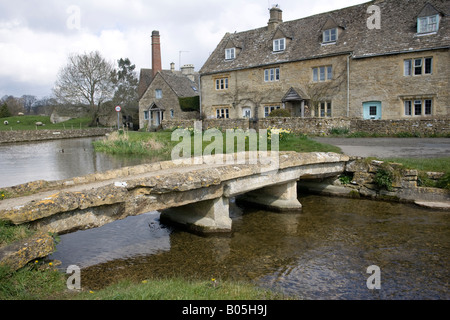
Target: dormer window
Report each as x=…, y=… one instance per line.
x=330, y=35
x=428, y=24
x=279, y=45
x=230, y=54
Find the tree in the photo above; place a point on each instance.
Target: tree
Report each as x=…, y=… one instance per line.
x=28, y=101
x=126, y=84
x=4, y=111
x=86, y=79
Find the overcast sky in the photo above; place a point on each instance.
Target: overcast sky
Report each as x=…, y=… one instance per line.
x=36, y=37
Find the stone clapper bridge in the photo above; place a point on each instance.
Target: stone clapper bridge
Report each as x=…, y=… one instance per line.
x=195, y=195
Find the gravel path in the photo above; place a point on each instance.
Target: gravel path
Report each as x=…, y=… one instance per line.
x=392, y=147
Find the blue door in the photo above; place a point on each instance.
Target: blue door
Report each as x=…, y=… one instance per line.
x=372, y=110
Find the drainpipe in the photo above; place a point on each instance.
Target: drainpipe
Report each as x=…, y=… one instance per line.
x=348, y=85
x=200, y=93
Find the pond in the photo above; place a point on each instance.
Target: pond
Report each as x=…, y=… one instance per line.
x=322, y=252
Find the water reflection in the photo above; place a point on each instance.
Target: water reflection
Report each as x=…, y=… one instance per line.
x=55, y=160
x=321, y=253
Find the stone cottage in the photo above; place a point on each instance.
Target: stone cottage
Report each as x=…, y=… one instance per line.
x=166, y=94
x=385, y=59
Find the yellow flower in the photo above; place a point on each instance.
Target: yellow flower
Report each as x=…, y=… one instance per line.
x=213, y=279
x=145, y=281
x=50, y=264
x=91, y=291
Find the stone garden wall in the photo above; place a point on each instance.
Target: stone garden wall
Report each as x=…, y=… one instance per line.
x=323, y=126
x=41, y=135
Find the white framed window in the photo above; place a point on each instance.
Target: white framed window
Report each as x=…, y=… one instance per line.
x=222, y=84
x=230, y=54
x=222, y=113
x=418, y=66
x=321, y=74
x=408, y=108
x=271, y=75
x=146, y=116
x=330, y=35
x=246, y=112
x=158, y=94
x=323, y=110
x=418, y=108
x=279, y=44
x=428, y=24
x=269, y=109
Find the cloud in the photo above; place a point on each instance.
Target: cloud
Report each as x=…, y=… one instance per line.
x=36, y=39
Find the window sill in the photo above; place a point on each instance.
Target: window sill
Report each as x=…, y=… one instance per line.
x=425, y=34
x=328, y=43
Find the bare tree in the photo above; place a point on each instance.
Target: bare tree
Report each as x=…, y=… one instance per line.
x=87, y=78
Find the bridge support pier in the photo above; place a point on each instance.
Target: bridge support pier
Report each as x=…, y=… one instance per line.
x=210, y=216
x=281, y=197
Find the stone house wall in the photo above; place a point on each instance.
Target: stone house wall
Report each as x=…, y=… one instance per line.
x=247, y=88
x=382, y=79
x=169, y=102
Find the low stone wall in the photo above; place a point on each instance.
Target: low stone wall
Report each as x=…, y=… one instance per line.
x=223, y=124
x=323, y=126
x=360, y=180
x=392, y=127
x=311, y=126
x=41, y=135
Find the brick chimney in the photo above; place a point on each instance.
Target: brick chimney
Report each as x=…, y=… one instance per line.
x=276, y=17
x=156, y=53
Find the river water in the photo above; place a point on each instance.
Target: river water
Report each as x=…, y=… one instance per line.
x=322, y=252
x=55, y=160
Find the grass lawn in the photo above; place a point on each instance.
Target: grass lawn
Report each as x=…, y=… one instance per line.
x=29, y=123
x=159, y=144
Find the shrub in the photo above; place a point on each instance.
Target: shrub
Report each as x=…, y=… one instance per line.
x=283, y=113
x=444, y=182
x=339, y=131
x=383, y=179
x=190, y=103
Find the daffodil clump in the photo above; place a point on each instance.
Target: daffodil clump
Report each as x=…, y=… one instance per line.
x=282, y=133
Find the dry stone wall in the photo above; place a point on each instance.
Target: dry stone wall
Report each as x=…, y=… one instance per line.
x=41, y=135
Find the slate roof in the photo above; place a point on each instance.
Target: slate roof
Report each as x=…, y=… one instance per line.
x=180, y=84
x=398, y=34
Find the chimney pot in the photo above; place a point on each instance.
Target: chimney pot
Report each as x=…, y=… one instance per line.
x=276, y=18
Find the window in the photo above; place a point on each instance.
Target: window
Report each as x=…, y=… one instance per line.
x=271, y=75
x=246, y=112
x=428, y=24
x=322, y=74
x=223, y=113
x=428, y=107
x=323, y=110
x=146, y=115
x=373, y=111
x=419, y=107
x=279, y=45
x=269, y=109
x=230, y=54
x=418, y=66
x=330, y=35
x=408, y=108
x=158, y=94
x=172, y=113
x=222, y=84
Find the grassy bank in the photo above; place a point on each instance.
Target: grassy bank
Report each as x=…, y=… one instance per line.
x=29, y=123
x=159, y=144
x=39, y=281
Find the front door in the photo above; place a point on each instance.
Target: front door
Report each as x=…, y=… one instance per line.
x=372, y=110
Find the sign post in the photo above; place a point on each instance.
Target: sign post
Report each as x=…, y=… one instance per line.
x=118, y=109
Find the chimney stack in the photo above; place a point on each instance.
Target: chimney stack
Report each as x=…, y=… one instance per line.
x=172, y=66
x=276, y=17
x=188, y=70
x=156, y=53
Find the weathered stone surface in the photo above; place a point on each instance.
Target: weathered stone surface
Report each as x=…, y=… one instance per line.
x=18, y=254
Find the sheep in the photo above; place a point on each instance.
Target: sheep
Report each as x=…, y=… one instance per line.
x=5, y=123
